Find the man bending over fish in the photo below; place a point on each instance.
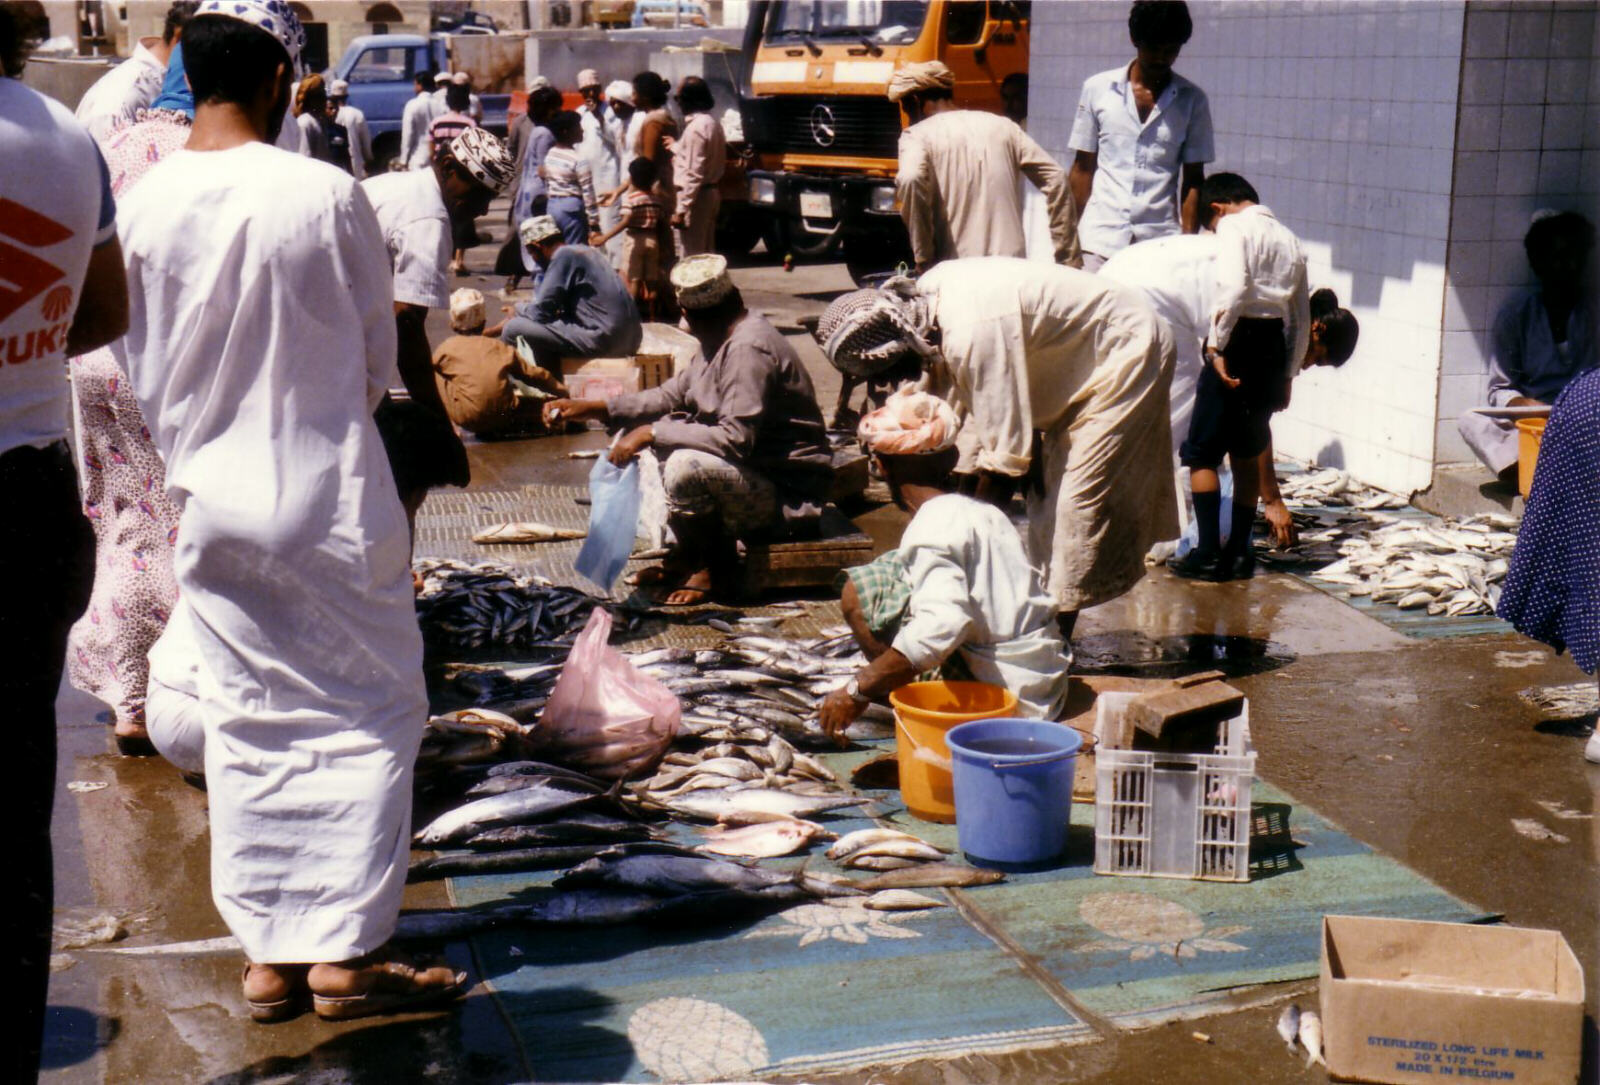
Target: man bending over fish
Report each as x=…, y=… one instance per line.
x=741, y=440
x=959, y=596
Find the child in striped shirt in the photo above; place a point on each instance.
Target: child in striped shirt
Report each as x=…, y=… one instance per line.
x=641, y=244
x=570, y=183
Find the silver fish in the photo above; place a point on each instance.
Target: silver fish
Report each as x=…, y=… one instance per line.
x=510, y=808
x=1311, y=1037
x=1289, y=1024
x=759, y=805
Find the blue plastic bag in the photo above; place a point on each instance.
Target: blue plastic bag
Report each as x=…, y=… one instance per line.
x=613, y=521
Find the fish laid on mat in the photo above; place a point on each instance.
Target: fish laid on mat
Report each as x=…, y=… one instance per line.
x=749, y=806
x=901, y=900
x=929, y=875
x=471, y=606
x=512, y=808
x=527, y=531
x=763, y=841
x=672, y=875
x=553, y=857
x=864, y=839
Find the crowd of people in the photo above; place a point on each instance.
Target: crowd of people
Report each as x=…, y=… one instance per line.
x=241, y=295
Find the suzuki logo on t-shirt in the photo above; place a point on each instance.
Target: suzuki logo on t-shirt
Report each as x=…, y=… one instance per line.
x=24, y=276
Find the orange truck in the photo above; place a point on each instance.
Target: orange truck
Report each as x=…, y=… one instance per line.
x=824, y=135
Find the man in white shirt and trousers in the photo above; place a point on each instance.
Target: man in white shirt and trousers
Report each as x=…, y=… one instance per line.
x=416, y=146
x=261, y=337
x=600, y=149
x=354, y=122
x=116, y=97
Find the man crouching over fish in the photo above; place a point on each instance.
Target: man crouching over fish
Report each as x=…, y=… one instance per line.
x=743, y=450
x=959, y=596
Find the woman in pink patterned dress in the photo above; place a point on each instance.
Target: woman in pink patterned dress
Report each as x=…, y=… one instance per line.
x=123, y=480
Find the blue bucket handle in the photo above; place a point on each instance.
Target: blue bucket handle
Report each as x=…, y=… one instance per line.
x=1032, y=761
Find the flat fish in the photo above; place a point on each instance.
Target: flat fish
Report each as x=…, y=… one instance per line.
x=1311, y=1037
x=526, y=531
x=673, y=875
x=861, y=839
x=766, y=840
x=759, y=804
x=929, y=875
x=900, y=900
x=514, y=807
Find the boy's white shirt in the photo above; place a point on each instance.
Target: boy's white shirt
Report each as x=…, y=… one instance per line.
x=1261, y=273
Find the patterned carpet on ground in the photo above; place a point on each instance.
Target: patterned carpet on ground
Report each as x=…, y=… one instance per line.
x=1043, y=959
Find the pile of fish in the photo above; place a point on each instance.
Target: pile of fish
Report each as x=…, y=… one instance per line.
x=475, y=606
x=1451, y=567
x=1333, y=487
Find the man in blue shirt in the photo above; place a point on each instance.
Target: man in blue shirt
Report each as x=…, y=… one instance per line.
x=1140, y=131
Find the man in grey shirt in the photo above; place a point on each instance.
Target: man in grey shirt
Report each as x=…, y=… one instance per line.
x=582, y=308
x=743, y=449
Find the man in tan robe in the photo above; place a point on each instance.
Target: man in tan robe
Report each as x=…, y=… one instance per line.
x=960, y=172
x=1025, y=349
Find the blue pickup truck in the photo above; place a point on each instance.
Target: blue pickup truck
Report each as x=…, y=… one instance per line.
x=381, y=69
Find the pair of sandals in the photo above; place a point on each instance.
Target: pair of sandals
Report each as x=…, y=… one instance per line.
x=395, y=985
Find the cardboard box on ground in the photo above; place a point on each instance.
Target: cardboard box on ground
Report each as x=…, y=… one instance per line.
x=664, y=352
x=1407, y=1002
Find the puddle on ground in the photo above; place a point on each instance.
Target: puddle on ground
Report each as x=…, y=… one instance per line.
x=1134, y=654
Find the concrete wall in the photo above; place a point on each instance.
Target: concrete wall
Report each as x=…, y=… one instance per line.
x=1342, y=114
x=1528, y=137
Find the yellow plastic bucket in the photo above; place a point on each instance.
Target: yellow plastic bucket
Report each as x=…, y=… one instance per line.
x=1530, y=431
x=923, y=712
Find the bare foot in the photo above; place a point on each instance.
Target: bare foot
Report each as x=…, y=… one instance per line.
x=695, y=589
x=274, y=992
x=385, y=981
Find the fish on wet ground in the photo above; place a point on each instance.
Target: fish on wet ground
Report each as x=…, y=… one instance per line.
x=511, y=808
x=1289, y=1025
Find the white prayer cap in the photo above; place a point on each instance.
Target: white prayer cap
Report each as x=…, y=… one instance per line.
x=276, y=17
x=928, y=75
x=338, y=89
x=909, y=424
x=461, y=79
x=701, y=281
x=539, y=81
x=481, y=154
x=588, y=78
x=466, y=310
x=619, y=90
x=538, y=230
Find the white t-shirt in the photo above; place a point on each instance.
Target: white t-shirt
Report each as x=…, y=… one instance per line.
x=416, y=228
x=122, y=92
x=1261, y=273
x=416, y=146
x=55, y=207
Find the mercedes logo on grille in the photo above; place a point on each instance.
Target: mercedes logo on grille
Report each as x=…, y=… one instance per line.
x=823, y=129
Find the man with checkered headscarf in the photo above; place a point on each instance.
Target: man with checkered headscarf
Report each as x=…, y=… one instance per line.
x=959, y=596
x=261, y=337
x=1024, y=350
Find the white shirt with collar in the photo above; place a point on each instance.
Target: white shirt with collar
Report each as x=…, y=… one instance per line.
x=119, y=94
x=416, y=229
x=416, y=146
x=1139, y=163
x=1261, y=273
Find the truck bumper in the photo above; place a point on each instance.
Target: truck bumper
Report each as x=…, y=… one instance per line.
x=824, y=205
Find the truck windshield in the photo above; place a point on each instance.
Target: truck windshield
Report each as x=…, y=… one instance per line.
x=886, y=21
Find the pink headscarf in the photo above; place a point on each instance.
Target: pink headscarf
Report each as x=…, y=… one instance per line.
x=910, y=424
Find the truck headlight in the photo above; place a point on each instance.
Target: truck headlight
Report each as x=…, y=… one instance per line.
x=883, y=200
x=763, y=190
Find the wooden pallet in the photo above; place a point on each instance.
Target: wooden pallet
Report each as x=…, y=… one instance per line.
x=808, y=563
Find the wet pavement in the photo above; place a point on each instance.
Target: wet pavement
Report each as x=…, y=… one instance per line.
x=1422, y=748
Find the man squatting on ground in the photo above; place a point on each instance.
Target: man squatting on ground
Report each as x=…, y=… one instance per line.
x=743, y=449
x=959, y=596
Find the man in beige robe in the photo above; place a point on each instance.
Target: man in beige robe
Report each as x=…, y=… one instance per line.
x=1025, y=349
x=959, y=182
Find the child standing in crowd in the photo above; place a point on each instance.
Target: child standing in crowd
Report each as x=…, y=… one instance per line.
x=570, y=182
x=640, y=225
x=1260, y=329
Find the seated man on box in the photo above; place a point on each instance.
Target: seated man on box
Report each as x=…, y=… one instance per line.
x=959, y=596
x=487, y=389
x=582, y=308
x=743, y=450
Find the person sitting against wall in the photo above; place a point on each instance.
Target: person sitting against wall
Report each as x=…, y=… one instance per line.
x=1542, y=339
x=959, y=595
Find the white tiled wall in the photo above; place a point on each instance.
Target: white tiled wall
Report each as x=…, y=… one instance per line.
x=1528, y=137
x=1342, y=114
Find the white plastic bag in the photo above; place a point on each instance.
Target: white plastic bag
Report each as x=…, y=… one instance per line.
x=613, y=522
x=605, y=717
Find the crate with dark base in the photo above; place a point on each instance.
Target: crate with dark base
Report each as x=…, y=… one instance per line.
x=806, y=563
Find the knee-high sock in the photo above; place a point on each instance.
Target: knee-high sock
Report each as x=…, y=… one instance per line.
x=1207, y=511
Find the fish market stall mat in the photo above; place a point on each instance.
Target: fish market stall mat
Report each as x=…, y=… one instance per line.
x=783, y=994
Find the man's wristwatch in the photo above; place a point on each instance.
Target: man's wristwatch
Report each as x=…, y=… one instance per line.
x=852, y=689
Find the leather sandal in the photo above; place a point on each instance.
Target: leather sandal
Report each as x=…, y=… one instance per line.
x=395, y=988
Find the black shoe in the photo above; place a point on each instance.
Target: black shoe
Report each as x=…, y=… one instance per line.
x=1239, y=566
x=1197, y=565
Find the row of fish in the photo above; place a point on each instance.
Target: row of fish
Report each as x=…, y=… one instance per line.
x=1450, y=567
x=462, y=605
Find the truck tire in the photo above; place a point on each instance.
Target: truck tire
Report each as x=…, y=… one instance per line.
x=869, y=255
x=739, y=227
x=385, y=149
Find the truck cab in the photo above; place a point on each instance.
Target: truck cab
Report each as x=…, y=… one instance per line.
x=824, y=133
x=381, y=70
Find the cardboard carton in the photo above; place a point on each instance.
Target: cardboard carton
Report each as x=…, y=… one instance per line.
x=1407, y=1002
x=597, y=378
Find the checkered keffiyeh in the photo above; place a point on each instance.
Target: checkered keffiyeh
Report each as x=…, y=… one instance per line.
x=866, y=331
x=884, y=591
x=273, y=16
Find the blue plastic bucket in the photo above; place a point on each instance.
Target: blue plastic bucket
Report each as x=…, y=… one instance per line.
x=1013, y=789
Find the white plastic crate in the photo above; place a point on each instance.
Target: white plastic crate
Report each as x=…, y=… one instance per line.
x=1164, y=815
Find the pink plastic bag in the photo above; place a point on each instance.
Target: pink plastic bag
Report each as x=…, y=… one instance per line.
x=604, y=717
